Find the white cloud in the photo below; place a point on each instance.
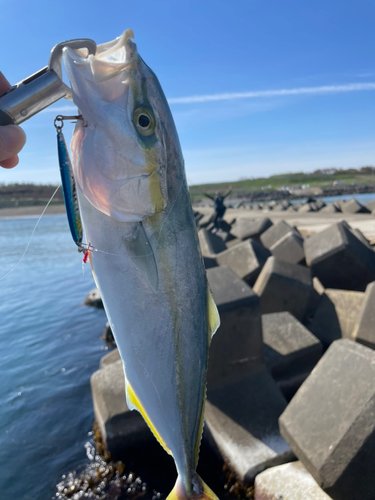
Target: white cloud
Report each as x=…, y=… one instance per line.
x=325, y=89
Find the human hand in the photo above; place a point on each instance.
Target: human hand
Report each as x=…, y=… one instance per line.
x=12, y=137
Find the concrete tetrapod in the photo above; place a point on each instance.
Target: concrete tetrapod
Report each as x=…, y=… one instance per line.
x=120, y=428
x=275, y=233
x=352, y=206
x=336, y=315
x=289, y=248
x=93, y=299
x=330, y=209
x=370, y=205
x=237, y=346
x=290, y=350
x=210, y=243
x=288, y=482
x=245, y=259
x=339, y=259
x=247, y=228
x=330, y=422
x=283, y=286
x=364, y=328
x=242, y=419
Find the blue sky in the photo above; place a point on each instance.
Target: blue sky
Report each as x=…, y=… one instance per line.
x=248, y=61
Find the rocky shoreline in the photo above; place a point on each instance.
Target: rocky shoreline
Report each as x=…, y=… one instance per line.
x=291, y=379
x=270, y=195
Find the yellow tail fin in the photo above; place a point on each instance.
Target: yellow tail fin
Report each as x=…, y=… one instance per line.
x=178, y=492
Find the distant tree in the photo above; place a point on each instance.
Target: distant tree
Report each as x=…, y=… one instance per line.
x=368, y=170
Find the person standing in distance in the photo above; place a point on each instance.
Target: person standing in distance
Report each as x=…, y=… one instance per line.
x=12, y=137
x=220, y=208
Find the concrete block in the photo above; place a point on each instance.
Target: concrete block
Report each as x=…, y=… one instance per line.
x=242, y=419
x=352, y=206
x=233, y=243
x=107, y=335
x=288, y=482
x=279, y=208
x=336, y=314
x=339, y=259
x=275, y=233
x=225, y=235
x=209, y=262
x=291, y=208
x=205, y=220
x=246, y=228
x=315, y=298
x=245, y=259
x=225, y=226
x=109, y=358
x=330, y=422
x=93, y=299
x=370, y=205
x=289, y=348
x=121, y=429
x=237, y=346
x=305, y=208
x=330, y=209
x=282, y=286
x=210, y=243
x=340, y=203
x=198, y=216
x=289, y=248
x=318, y=287
x=364, y=328
x=361, y=237
x=319, y=204
x=314, y=206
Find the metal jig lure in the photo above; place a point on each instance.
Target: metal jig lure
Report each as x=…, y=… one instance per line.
x=69, y=186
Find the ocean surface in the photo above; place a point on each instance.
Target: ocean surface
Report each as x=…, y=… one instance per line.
x=49, y=347
x=363, y=198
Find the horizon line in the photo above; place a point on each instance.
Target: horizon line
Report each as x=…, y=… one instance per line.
x=324, y=89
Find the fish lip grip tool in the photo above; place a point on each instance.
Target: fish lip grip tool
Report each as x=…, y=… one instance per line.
x=25, y=99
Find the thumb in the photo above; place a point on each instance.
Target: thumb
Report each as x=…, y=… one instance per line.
x=12, y=140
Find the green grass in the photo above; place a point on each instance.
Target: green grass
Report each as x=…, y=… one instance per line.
x=315, y=179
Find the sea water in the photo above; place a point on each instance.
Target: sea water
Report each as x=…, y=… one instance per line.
x=49, y=347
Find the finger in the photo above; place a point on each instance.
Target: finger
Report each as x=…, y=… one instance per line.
x=10, y=162
x=4, y=84
x=12, y=140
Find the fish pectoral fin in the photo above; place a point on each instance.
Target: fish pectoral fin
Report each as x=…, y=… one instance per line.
x=134, y=404
x=142, y=254
x=213, y=318
x=179, y=493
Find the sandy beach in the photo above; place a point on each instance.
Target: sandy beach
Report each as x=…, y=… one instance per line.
x=33, y=211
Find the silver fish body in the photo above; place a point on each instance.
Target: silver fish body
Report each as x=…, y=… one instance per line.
x=137, y=218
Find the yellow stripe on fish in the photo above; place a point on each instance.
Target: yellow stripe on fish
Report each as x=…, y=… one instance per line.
x=213, y=318
x=134, y=401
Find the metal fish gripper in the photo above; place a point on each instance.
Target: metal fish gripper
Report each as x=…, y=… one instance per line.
x=30, y=96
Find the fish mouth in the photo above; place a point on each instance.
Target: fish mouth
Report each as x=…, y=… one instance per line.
x=110, y=59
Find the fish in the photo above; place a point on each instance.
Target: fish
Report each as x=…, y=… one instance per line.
x=141, y=235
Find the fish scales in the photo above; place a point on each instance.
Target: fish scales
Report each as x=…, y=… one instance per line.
x=137, y=219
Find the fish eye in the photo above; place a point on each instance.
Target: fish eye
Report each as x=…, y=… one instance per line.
x=144, y=121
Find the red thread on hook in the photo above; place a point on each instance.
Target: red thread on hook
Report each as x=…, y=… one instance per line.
x=86, y=256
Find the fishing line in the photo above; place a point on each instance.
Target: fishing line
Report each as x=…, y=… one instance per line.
x=32, y=234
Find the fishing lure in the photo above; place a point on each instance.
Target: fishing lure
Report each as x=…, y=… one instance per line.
x=69, y=187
